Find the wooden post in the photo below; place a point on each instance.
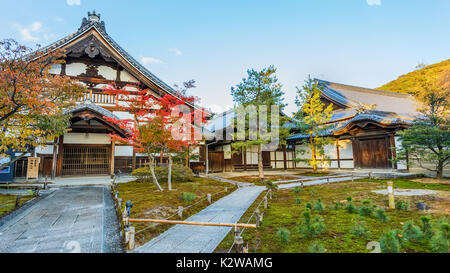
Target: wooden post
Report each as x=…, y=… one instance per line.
x=390, y=190
x=265, y=202
x=113, y=152
x=59, y=160
x=245, y=249
x=18, y=197
x=133, y=161
x=180, y=212
x=270, y=194
x=238, y=240
x=353, y=177
x=131, y=238
x=226, y=189
x=119, y=203
x=284, y=157
x=338, y=154
x=301, y=185
x=328, y=180
x=257, y=218
x=55, y=153
x=208, y=196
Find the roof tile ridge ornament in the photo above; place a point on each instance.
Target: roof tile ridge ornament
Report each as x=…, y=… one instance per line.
x=93, y=19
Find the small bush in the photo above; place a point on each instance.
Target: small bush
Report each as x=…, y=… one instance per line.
x=270, y=185
x=188, y=196
x=350, y=208
x=283, y=235
x=310, y=226
x=336, y=205
x=349, y=199
x=313, y=192
x=297, y=190
x=319, y=206
x=366, y=209
x=390, y=243
x=402, y=205
x=298, y=200
x=316, y=247
x=412, y=232
x=426, y=227
x=381, y=216
x=360, y=229
x=440, y=241
x=309, y=205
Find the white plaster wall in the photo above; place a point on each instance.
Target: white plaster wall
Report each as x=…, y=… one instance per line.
x=75, y=69
x=47, y=149
x=123, y=151
x=107, y=72
x=127, y=77
x=401, y=165
x=123, y=115
x=227, y=151
x=347, y=164
x=56, y=69
x=345, y=149
x=82, y=138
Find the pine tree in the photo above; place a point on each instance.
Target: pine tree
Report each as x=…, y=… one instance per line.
x=260, y=88
x=312, y=116
x=428, y=139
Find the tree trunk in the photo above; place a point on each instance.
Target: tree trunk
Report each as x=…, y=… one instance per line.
x=169, y=177
x=152, y=169
x=260, y=164
x=313, y=153
x=440, y=170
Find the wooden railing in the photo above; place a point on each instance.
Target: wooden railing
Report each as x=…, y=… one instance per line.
x=99, y=97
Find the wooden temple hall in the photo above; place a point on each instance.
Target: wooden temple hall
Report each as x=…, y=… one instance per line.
x=97, y=61
x=364, y=128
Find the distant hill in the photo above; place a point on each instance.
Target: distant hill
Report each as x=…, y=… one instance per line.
x=407, y=82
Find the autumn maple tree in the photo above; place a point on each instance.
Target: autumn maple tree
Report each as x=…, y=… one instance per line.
x=161, y=125
x=32, y=101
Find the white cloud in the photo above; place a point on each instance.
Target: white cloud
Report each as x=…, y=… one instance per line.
x=374, y=2
x=29, y=33
x=176, y=51
x=150, y=60
x=73, y=2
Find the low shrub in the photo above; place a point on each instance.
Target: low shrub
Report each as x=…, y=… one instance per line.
x=350, y=207
x=297, y=190
x=309, y=226
x=402, y=205
x=426, y=226
x=283, y=235
x=336, y=205
x=390, y=243
x=440, y=241
x=188, y=196
x=298, y=200
x=360, y=229
x=366, y=209
x=316, y=247
x=309, y=205
x=411, y=232
x=319, y=206
x=381, y=216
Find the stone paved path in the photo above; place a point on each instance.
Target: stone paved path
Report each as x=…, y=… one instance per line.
x=204, y=239
x=80, y=219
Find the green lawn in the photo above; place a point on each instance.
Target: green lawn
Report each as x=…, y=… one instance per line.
x=8, y=202
x=148, y=202
x=285, y=212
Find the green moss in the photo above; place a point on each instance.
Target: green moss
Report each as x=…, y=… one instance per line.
x=283, y=212
x=8, y=202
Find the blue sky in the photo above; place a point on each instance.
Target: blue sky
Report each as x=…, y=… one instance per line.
x=360, y=42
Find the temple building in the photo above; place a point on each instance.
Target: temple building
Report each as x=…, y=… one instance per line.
x=95, y=60
x=363, y=127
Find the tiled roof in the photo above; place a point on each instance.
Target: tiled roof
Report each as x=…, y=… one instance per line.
x=100, y=28
x=94, y=107
x=353, y=97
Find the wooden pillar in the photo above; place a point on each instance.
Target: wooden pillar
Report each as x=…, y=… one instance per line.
x=392, y=150
x=294, y=156
x=245, y=159
x=284, y=157
x=338, y=154
x=55, y=154
x=187, y=157
x=59, y=161
x=113, y=153
x=133, y=160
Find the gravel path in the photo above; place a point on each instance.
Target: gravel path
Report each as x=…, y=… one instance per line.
x=76, y=219
x=204, y=239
